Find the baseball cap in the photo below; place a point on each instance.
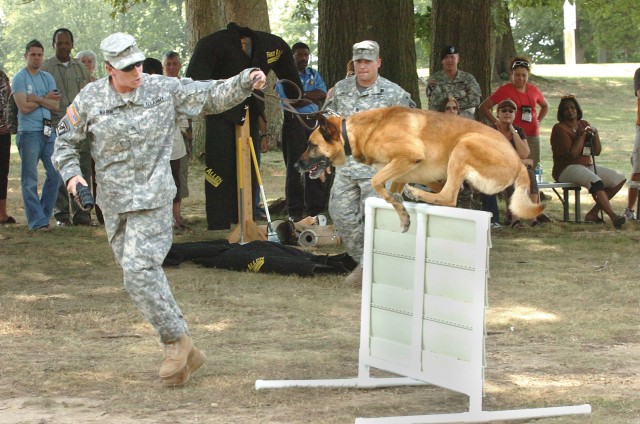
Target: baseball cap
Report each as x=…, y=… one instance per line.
x=368, y=50
x=120, y=50
x=447, y=51
x=507, y=103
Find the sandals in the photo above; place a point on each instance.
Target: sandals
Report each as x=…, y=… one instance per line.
x=598, y=220
x=517, y=224
x=9, y=220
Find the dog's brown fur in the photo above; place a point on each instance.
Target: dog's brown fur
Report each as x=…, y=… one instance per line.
x=419, y=146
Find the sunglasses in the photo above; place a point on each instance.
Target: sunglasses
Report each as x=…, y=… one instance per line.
x=506, y=110
x=451, y=108
x=520, y=63
x=130, y=67
x=570, y=96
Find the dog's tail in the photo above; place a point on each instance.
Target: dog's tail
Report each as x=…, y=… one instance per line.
x=521, y=205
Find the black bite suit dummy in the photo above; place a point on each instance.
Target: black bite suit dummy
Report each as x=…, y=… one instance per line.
x=217, y=56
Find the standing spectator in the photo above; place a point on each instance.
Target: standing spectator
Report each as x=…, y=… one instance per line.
x=171, y=65
x=221, y=55
x=130, y=119
x=526, y=97
x=452, y=82
x=70, y=76
x=575, y=144
x=89, y=60
x=352, y=183
x=153, y=66
x=629, y=212
x=305, y=196
x=36, y=96
x=5, y=148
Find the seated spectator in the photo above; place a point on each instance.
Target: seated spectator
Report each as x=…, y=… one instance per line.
x=450, y=105
x=575, y=144
x=506, y=114
x=465, y=196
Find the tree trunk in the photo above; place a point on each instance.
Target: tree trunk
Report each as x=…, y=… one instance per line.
x=389, y=22
x=504, y=49
x=207, y=16
x=465, y=24
x=203, y=18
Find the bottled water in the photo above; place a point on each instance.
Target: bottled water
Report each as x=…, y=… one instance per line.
x=539, y=173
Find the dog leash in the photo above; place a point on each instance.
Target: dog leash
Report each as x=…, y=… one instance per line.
x=287, y=104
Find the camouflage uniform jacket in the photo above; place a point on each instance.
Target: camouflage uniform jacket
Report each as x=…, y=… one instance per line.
x=463, y=87
x=131, y=139
x=347, y=100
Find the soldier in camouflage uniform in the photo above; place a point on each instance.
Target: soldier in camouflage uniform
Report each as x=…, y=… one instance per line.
x=352, y=184
x=452, y=82
x=462, y=86
x=129, y=119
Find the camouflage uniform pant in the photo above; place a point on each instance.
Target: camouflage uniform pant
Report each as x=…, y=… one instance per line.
x=346, y=207
x=140, y=240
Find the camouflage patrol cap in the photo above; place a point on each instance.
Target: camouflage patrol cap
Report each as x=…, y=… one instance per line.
x=368, y=50
x=120, y=50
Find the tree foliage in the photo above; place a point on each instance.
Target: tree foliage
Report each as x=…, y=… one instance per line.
x=615, y=27
x=158, y=26
x=296, y=22
x=538, y=34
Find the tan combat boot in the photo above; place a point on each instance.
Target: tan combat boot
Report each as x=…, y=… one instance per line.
x=181, y=359
x=355, y=278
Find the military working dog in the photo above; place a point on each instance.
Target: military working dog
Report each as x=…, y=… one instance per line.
x=419, y=146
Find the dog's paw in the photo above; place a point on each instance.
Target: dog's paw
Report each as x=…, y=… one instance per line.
x=405, y=220
x=409, y=193
x=397, y=198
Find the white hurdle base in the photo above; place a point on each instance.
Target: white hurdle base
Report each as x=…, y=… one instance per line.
x=424, y=295
x=481, y=416
x=458, y=417
x=362, y=383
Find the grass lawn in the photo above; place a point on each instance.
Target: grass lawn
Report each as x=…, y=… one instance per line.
x=562, y=319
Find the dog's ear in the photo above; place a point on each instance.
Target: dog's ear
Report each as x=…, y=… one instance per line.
x=330, y=128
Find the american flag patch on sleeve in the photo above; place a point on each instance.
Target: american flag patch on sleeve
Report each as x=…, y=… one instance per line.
x=73, y=115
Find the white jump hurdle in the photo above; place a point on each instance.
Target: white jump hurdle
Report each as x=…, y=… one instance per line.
x=424, y=294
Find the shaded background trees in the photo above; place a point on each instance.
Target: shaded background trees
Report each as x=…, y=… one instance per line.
x=466, y=25
x=389, y=22
x=158, y=25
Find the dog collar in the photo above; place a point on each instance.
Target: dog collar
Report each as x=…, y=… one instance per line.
x=347, y=146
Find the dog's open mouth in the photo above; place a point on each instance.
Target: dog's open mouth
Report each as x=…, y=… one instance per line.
x=317, y=169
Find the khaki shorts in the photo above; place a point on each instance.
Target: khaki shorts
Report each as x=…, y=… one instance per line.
x=635, y=155
x=585, y=176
